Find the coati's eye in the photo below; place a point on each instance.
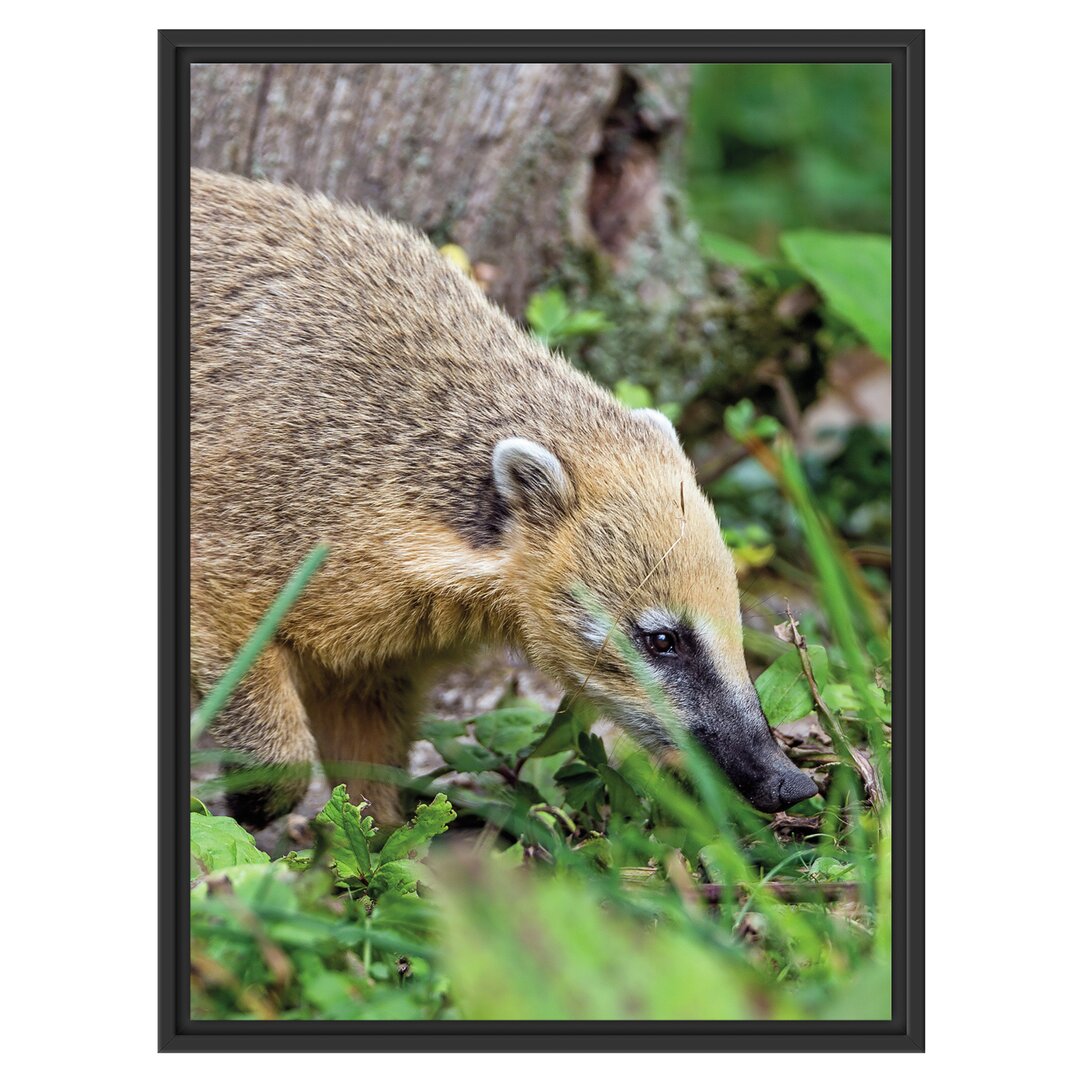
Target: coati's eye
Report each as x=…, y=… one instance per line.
x=662, y=643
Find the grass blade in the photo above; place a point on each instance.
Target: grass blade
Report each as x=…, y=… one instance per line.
x=213, y=702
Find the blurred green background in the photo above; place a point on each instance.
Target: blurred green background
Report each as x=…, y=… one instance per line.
x=790, y=146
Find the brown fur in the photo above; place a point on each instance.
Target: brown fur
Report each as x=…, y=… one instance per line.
x=349, y=385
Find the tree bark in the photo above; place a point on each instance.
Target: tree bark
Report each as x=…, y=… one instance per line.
x=565, y=175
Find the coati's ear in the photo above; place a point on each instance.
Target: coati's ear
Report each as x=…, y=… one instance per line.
x=531, y=479
x=659, y=420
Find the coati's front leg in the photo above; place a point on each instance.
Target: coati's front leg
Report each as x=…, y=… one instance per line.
x=265, y=722
x=360, y=726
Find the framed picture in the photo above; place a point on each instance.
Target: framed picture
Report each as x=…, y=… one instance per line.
x=541, y=540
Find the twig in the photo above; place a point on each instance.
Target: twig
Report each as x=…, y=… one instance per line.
x=858, y=760
x=788, y=892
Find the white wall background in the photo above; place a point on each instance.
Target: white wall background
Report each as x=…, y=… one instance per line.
x=77, y=424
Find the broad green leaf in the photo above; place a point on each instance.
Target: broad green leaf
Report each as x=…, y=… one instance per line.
x=853, y=271
x=632, y=395
x=623, y=798
x=783, y=689
x=397, y=877
x=349, y=834
x=732, y=252
x=403, y=914
x=545, y=311
x=219, y=842
x=582, y=789
x=265, y=886
x=829, y=868
x=584, y=322
x=412, y=840
x=459, y=753
x=570, y=721
x=592, y=750
x=840, y=696
x=738, y=418
x=509, y=731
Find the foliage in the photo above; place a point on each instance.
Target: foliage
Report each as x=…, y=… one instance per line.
x=790, y=146
x=337, y=932
x=854, y=274
x=552, y=321
x=781, y=156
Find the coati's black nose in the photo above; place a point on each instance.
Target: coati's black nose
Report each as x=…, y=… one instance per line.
x=794, y=787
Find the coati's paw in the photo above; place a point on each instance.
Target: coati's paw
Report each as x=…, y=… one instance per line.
x=263, y=801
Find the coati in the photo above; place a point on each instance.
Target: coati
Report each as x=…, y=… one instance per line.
x=350, y=385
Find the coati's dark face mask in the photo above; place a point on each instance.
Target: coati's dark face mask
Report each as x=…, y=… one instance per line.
x=659, y=673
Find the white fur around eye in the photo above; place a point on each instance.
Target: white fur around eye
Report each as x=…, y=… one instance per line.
x=656, y=619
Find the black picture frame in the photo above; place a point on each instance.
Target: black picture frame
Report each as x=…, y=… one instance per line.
x=904, y=51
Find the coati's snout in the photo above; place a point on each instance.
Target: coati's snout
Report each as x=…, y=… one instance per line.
x=738, y=739
x=714, y=700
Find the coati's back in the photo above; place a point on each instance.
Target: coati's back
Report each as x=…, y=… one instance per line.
x=349, y=384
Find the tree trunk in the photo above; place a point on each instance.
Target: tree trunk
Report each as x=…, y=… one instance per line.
x=565, y=175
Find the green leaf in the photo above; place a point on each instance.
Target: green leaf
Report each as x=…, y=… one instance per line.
x=569, y=721
x=397, y=877
x=829, y=868
x=460, y=754
x=585, y=322
x=581, y=788
x=552, y=321
x=632, y=395
x=413, y=840
x=349, y=834
x=783, y=689
x=842, y=696
x=514, y=855
x=732, y=252
x=546, y=311
x=509, y=731
x=853, y=271
x=739, y=419
x=839, y=696
x=591, y=748
x=219, y=842
x=198, y=806
x=622, y=796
